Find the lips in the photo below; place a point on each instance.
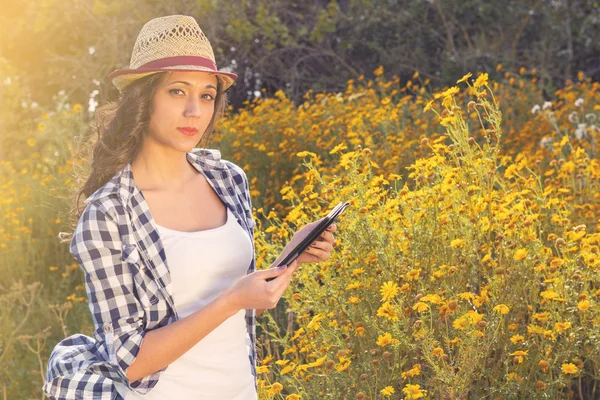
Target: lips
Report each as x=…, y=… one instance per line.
x=189, y=131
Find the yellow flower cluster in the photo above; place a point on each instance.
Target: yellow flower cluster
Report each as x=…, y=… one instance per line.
x=471, y=243
x=461, y=257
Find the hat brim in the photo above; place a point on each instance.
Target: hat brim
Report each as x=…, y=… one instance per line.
x=122, y=78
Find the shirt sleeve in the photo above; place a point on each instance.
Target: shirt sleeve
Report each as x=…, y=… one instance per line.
x=117, y=313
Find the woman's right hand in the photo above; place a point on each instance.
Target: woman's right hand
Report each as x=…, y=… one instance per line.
x=253, y=291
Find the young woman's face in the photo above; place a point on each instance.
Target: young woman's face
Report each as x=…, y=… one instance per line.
x=184, y=104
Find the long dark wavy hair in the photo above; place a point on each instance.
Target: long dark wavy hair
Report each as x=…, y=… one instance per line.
x=116, y=138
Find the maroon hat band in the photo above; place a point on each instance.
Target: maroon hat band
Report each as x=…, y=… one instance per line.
x=180, y=60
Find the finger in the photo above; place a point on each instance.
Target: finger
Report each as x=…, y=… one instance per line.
x=332, y=228
x=282, y=281
x=320, y=254
x=322, y=245
x=272, y=273
x=327, y=236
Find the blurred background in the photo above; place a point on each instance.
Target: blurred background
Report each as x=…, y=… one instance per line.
x=70, y=46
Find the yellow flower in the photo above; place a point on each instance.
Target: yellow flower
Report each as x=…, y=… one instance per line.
x=457, y=243
x=561, y=327
x=420, y=307
x=386, y=339
x=388, y=291
x=583, y=305
x=357, y=271
x=438, y=351
x=343, y=365
x=448, y=120
x=432, y=298
x=516, y=339
x=302, y=154
x=413, y=275
x=339, y=147
x=76, y=108
x=502, y=309
x=297, y=334
x=519, y=354
x=387, y=311
x=353, y=300
x=360, y=331
x=464, y=78
x=414, y=371
x=451, y=91
x=293, y=396
x=413, y=392
x=315, y=322
x=428, y=105
x=466, y=296
x=30, y=142
x=542, y=317
x=262, y=369
x=354, y=285
x=378, y=71
x=520, y=254
x=275, y=388
x=267, y=359
x=387, y=391
x=53, y=268
x=289, y=368
x=318, y=362
x=549, y=294
x=569, y=368
x=544, y=365
x=481, y=80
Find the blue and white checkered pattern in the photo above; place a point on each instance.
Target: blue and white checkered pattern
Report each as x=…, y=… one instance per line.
x=128, y=283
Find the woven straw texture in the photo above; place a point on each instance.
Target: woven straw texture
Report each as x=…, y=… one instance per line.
x=171, y=36
x=177, y=35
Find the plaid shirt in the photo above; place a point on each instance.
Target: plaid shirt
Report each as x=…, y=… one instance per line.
x=128, y=284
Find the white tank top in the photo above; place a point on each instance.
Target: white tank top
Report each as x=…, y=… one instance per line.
x=202, y=265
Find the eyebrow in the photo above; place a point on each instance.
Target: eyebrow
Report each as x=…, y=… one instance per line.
x=209, y=86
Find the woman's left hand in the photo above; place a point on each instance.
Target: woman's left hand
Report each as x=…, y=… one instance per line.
x=321, y=248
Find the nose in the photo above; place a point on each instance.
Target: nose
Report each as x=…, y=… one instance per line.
x=192, y=108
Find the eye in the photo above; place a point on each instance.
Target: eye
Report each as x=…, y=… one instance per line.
x=208, y=96
x=175, y=90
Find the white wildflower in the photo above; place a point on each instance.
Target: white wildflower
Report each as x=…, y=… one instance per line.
x=546, y=142
x=579, y=102
x=535, y=109
x=573, y=117
x=581, y=131
x=547, y=105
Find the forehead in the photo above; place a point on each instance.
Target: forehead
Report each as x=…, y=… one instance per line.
x=195, y=78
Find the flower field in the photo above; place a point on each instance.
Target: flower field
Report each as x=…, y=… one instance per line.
x=465, y=267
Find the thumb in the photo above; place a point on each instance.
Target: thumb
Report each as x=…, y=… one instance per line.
x=272, y=272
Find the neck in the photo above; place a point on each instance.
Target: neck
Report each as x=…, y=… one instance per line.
x=157, y=169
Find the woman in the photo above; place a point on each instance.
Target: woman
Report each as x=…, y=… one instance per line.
x=168, y=258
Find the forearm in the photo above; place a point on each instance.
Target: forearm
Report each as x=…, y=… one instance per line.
x=259, y=311
x=162, y=346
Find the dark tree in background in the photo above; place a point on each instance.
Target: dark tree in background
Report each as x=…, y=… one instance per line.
x=296, y=46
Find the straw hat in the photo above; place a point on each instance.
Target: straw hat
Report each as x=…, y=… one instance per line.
x=173, y=43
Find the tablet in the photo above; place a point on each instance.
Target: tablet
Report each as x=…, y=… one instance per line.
x=306, y=236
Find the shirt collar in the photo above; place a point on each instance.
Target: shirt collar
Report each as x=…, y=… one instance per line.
x=122, y=182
